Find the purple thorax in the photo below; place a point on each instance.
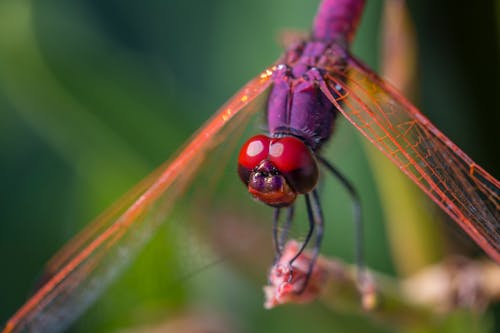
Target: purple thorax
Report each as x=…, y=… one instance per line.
x=296, y=105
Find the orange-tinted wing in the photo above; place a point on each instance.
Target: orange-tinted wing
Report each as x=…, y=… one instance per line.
x=78, y=274
x=445, y=173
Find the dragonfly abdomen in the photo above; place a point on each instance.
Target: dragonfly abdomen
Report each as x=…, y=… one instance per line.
x=337, y=20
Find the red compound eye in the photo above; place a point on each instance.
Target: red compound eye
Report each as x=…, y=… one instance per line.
x=254, y=151
x=295, y=162
x=276, y=170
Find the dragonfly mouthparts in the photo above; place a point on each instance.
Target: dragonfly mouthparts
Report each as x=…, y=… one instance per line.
x=269, y=186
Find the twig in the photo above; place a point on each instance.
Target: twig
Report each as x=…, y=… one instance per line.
x=421, y=300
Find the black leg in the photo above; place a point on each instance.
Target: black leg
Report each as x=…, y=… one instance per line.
x=315, y=219
x=319, y=221
x=286, y=228
x=277, y=245
x=280, y=238
x=356, y=205
x=310, y=214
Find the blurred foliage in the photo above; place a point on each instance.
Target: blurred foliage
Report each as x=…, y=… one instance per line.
x=94, y=95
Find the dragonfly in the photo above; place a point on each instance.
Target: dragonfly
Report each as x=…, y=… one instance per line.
x=320, y=66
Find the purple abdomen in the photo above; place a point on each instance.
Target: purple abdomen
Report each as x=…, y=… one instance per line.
x=337, y=20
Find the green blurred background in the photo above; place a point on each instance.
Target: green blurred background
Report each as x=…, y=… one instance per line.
x=96, y=94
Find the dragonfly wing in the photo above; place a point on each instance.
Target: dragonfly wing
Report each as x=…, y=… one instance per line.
x=97, y=226
x=445, y=173
x=78, y=274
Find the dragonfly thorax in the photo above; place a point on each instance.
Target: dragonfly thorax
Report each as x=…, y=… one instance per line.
x=297, y=105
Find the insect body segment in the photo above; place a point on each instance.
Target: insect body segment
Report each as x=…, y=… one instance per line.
x=297, y=107
x=275, y=170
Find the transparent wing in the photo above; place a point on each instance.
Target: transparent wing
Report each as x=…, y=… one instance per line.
x=445, y=173
x=82, y=269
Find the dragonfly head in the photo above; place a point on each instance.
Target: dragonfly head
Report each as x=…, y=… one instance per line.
x=276, y=170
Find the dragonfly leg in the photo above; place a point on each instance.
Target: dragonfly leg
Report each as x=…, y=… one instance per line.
x=319, y=221
x=276, y=240
x=315, y=215
x=280, y=238
x=288, y=223
x=309, y=232
x=356, y=208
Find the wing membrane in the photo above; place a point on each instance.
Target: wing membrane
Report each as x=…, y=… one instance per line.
x=78, y=274
x=445, y=173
